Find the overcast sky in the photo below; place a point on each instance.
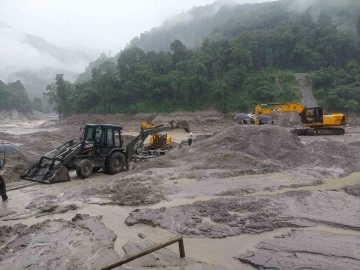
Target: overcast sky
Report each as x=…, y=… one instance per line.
x=98, y=25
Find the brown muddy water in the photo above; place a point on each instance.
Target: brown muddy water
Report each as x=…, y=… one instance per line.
x=213, y=251
x=216, y=251
x=22, y=128
x=219, y=252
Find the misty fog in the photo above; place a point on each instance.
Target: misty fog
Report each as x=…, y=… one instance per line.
x=40, y=38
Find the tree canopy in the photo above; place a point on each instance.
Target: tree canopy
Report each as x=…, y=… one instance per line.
x=249, y=59
x=14, y=96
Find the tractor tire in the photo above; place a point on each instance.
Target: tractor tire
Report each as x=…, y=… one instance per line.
x=84, y=168
x=115, y=163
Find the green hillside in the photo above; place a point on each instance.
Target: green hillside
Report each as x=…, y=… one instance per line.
x=14, y=96
x=250, y=58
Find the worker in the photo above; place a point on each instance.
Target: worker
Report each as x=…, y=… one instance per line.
x=190, y=138
x=2, y=182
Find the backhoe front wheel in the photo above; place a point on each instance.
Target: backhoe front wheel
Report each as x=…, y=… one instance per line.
x=84, y=168
x=115, y=163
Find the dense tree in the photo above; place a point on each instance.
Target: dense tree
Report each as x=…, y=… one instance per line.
x=58, y=93
x=252, y=57
x=14, y=96
x=37, y=104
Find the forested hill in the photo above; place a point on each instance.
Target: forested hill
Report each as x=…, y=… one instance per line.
x=248, y=59
x=190, y=27
x=193, y=26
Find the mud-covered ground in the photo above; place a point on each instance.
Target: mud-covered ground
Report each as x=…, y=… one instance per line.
x=248, y=197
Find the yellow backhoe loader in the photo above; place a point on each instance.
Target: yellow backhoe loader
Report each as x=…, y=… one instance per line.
x=315, y=121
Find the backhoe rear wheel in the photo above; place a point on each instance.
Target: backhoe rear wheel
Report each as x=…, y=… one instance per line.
x=115, y=163
x=84, y=168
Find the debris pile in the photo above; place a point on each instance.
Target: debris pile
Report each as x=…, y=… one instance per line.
x=134, y=190
x=260, y=149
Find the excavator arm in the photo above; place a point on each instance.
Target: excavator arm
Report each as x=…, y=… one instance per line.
x=135, y=144
x=279, y=107
x=146, y=125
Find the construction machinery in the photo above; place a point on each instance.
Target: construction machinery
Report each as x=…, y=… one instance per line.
x=315, y=121
x=101, y=147
x=160, y=140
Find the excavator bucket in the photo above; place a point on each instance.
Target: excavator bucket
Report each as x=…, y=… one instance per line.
x=46, y=171
x=183, y=124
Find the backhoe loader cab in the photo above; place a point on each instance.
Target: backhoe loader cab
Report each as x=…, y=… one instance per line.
x=102, y=138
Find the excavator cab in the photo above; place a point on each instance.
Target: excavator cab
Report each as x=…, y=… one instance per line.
x=312, y=116
x=157, y=140
x=160, y=139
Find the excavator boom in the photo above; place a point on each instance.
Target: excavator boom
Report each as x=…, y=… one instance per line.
x=278, y=107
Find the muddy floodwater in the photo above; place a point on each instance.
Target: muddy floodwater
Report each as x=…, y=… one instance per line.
x=245, y=198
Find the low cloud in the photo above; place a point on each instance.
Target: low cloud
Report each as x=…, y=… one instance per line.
x=20, y=59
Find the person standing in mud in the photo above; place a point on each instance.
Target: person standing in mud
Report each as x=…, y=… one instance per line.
x=190, y=139
x=2, y=182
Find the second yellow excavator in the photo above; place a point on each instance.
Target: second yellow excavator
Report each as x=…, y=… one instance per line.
x=157, y=140
x=316, y=122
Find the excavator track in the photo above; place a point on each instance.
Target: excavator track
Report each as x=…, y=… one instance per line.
x=323, y=131
x=328, y=131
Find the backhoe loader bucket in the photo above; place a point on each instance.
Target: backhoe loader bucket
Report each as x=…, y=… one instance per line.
x=46, y=171
x=51, y=167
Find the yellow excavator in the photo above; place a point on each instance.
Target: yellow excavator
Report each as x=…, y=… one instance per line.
x=315, y=121
x=158, y=140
